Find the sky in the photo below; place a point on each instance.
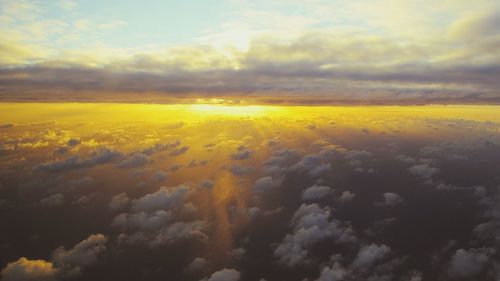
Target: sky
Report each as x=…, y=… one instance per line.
x=380, y=50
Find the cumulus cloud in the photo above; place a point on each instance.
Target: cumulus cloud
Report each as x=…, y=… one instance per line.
x=159, y=176
x=179, y=151
x=405, y=159
x=316, y=192
x=241, y=153
x=82, y=254
x=143, y=221
x=392, y=199
x=119, y=201
x=164, y=198
x=346, y=196
x=134, y=161
x=239, y=170
x=264, y=184
x=424, y=171
x=65, y=263
x=280, y=161
x=316, y=164
x=74, y=142
x=369, y=255
x=237, y=253
x=225, y=275
x=333, y=273
x=196, y=265
x=469, y=263
x=160, y=147
x=98, y=157
x=29, y=270
x=53, y=200
x=311, y=224
x=180, y=231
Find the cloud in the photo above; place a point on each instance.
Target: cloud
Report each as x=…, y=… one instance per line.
x=316, y=192
x=447, y=53
x=74, y=142
x=82, y=254
x=469, y=263
x=119, y=201
x=164, y=198
x=346, y=196
x=225, y=275
x=333, y=273
x=405, y=159
x=239, y=170
x=179, y=151
x=65, y=263
x=279, y=161
x=264, y=184
x=316, y=164
x=241, y=153
x=237, y=254
x=143, y=221
x=98, y=157
x=134, y=161
x=196, y=265
x=368, y=255
x=477, y=26
x=392, y=199
x=159, y=147
x=180, y=231
x=29, y=270
x=159, y=176
x=53, y=200
x=423, y=170
x=311, y=224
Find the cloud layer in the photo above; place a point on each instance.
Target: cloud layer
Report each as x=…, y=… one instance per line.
x=389, y=51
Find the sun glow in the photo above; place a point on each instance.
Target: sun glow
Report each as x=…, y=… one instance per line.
x=232, y=110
